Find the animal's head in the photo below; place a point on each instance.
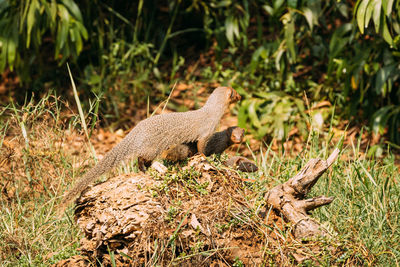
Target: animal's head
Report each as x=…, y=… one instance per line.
x=232, y=94
x=236, y=134
x=223, y=95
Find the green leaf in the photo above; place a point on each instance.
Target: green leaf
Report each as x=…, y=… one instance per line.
x=279, y=129
x=268, y=9
x=382, y=76
x=266, y=118
x=272, y=96
x=387, y=7
x=372, y=151
x=236, y=28
x=288, y=21
x=242, y=113
x=31, y=19
x=94, y=80
x=263, y=131
x=255, y=58
x=229, y=29
x=338, y=41
x=376, y=16
x=224, y=3
x=63, y=27
x=53, y=15
x=21, y=24
x=380, y=118
x=232, y=29
x=344, y=10
x=73, y=8
x=368, y=13
x=279, y=54
x=361, y=15
x=82, y=30
x=292, y=3
x=396, y=42
x=253, y=114
x=12, y=46
x=72, y=34
x=386, y=34
x=278, y=3
x=78, y=42
x=300, y=106
x=3, y=54
x=308, y=14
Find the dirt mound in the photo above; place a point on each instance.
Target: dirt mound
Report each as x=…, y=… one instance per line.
x=200, y=215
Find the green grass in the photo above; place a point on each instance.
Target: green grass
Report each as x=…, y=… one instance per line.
x=33, y=175
x=364, y=216
x=366, y=209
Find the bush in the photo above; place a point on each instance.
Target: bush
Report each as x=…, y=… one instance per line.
x=29, y=28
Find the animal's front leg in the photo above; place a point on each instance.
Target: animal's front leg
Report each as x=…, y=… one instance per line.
x=143, y=164
x=201, y=146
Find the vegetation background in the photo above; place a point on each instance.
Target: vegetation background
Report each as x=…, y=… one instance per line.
x=295, y=63
x=273, y=52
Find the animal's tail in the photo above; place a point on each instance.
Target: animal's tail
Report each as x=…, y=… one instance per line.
x=111, y=159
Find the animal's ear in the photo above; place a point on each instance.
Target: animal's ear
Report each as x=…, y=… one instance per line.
x=233, y=92
x=234, y=96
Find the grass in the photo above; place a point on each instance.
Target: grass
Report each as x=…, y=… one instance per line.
x=366, y=209
x=38, y=163
x=34, y=170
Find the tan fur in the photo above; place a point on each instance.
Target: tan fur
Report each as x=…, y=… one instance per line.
x=150, y=137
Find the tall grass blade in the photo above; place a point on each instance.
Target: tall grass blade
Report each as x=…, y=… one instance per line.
x=82, y=116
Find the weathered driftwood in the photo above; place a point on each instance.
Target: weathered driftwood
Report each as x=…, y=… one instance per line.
x=289, y=197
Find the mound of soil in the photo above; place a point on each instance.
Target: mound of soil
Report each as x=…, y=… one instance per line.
x=199, y=215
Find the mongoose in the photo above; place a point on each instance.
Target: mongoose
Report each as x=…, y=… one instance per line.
x=222, y=140
x=217, y=143
x=150, y=137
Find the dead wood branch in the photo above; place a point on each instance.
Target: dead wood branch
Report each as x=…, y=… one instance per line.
x=288, y=198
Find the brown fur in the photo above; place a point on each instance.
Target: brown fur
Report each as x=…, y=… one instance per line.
x=217, y=143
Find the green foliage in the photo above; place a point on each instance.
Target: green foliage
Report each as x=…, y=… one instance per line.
x=129, y=41
x=340, y=51
x=315, y=47
x=380, y=12
x=271, y=114
x=25, y=27
x=382, y=64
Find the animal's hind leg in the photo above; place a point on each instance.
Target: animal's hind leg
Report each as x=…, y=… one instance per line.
x=143, y=164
